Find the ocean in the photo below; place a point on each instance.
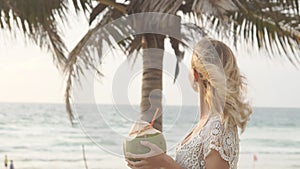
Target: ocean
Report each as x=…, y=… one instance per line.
x=40, y=136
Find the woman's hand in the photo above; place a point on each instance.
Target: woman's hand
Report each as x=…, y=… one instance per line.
x=155, y=159
x=154, y=151
x=151, y=160
x=154, y=162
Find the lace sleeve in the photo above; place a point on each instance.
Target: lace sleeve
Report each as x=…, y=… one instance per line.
x=225, y=141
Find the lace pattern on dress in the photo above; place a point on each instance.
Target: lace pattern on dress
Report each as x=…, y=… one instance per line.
x=213, y=136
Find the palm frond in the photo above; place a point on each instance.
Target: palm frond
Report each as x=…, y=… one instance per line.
x=38, y=21
x=273, y=25
x=82, y=5
x=87, y=54
x=162, y=6
x=213, y=7
x=96, y=11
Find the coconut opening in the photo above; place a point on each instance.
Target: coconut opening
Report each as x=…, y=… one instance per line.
x=141, y=128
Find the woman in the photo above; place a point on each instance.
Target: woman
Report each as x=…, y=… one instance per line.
x=214, y=141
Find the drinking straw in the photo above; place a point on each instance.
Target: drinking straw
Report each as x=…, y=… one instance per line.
x=154, y=117
x=148, y=126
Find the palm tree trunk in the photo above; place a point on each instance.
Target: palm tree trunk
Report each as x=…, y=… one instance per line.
x=152, y=78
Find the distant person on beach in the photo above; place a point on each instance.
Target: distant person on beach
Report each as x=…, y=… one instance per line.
x=5, y=161
x=214, y=141
x=11, y=165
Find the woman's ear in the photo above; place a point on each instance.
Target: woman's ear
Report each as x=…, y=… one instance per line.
x=196, y=75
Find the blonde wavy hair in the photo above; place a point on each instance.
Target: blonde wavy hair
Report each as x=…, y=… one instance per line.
x=224, y=86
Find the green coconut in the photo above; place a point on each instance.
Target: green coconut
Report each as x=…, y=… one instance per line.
x=142, y=132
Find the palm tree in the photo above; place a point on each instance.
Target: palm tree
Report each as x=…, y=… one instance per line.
x=273, y=25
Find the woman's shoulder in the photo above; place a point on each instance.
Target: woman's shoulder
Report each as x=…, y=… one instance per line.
x=217, y=129
x=215, y=122
x=221, y=138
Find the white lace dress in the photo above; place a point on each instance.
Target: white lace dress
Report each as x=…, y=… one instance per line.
x=213, y=136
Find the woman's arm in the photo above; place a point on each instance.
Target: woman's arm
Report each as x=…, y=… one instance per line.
x=215, y=161
x=156, y=158
x=169, y=163
x=160, y=161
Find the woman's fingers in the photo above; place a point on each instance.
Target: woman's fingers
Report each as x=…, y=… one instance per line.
x=129, y=164
x=140, y=163
x=152, y=146
x=154, y=150
x=139, y=156
x=137, y=164
x=146, y=143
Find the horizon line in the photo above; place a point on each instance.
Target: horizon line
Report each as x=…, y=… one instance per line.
x=61, y=103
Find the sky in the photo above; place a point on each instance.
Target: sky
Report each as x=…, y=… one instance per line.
x=27, y=74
